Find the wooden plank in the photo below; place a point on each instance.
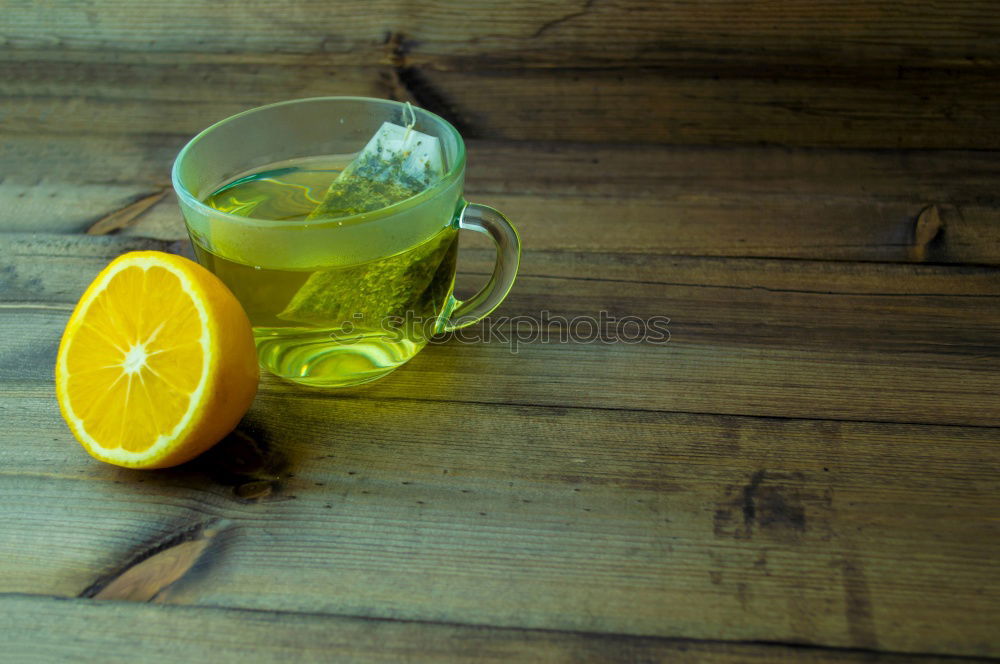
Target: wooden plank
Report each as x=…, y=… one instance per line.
x=649, y=171
x=565, y=169
x=863, y=535
x=598, y=509
x=113, y=632
x=718, y=224
x=872, y=384
x=180, y=98
x=554, y=33
x=852, y=341
x=110, y=160
x=809, y=107
x=822, y=204
x=930, y=109
x=723, y=224
x=909, y=75
x=61, y=207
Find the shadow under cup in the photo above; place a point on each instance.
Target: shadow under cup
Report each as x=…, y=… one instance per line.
x=343, y=301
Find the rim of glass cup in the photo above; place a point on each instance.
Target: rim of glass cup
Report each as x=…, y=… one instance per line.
x=442, y=184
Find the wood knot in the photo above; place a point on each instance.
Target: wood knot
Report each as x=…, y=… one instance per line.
x=396, y=47
x=927, y=227
x=146, y=575
x=128, y=215
x=254, y=490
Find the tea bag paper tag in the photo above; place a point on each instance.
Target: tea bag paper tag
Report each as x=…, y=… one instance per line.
x=397, y=163
x=402, y=153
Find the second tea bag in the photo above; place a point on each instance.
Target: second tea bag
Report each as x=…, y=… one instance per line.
x=397, y=163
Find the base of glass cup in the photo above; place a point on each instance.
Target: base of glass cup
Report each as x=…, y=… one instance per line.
x=324, y=384
x=313, y=360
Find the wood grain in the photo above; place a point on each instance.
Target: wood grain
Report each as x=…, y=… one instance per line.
x=115, y=633
x=907, y=74
x=810, y=461
x=814, y=204
x=553, y=33
x=148, y=576
x=810, y=107
x=560, y=169
x=128, y=215
x=806, y=471
x=790, y=494
x=815, y=108
x=180, y=98
x=863, y=385
x=597, y=508
x=853, y=341
x=845, y=534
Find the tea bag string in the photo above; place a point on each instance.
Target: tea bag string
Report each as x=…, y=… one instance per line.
x=411, y=123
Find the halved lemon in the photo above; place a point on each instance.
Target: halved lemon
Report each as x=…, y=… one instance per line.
x=157, y=362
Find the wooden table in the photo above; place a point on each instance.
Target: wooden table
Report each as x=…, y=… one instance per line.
x=806, y=471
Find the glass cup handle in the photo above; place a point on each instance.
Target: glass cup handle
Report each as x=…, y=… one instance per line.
x=486, y=220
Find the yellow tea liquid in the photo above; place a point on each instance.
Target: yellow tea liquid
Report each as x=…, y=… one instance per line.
x=336, y=322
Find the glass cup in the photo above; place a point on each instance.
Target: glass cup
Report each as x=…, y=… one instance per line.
x=343, y=301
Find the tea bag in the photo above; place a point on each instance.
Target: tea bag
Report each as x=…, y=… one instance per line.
x=367, y=294
x=397, y=163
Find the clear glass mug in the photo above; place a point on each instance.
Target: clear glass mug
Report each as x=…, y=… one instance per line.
x=340, y=301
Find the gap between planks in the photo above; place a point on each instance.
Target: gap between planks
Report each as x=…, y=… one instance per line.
x=291, y=391
x=768, y=647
